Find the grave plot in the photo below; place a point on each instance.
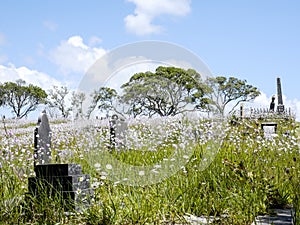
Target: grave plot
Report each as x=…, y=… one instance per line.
x=63, y=180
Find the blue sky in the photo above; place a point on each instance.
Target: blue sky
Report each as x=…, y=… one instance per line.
x=54, y=42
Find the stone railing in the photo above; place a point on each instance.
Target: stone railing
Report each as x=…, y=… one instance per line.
x=263, y=113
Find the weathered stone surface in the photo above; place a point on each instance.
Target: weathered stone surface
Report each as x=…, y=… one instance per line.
x=281, y=217
x=42, y=140
x=118, y=128
x=62, y=183
x=269, y=129
x=65, y=181
x=280, y=106
x=58, y=170
x=77, y=200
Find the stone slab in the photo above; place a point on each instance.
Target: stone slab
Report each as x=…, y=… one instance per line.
x=56, y=170
x=77, y=200
x=280, y=217
x=62, y=183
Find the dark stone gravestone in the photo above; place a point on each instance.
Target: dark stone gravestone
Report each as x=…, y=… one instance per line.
x=118, y=127
x=280, y=106
x=272, y=104
x=242, y=112
x=65, y=180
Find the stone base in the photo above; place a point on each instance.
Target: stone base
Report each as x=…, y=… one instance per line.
x=64, y=181
x=77, y=200
x=54, y=170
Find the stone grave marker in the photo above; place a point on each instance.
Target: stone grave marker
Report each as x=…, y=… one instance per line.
x=280, y=106
x=242, y=111
x=269, y=129
x=42, y=140
x=118, y=128
x=66, y=180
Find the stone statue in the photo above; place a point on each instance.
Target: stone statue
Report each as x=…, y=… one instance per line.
x=272, y=104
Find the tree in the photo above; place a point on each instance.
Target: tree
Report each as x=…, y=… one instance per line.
x=166, y=92
x=57, y=99
x=21, y=98
x=103, y=99
x=229, y=90
x=77, y=100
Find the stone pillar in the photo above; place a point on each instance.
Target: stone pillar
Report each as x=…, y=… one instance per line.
x=280, y=106
x=242, y=112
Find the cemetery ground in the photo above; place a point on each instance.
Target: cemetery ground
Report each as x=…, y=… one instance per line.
x=250, y=175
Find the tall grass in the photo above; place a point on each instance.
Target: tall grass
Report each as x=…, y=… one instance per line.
x=249, y=174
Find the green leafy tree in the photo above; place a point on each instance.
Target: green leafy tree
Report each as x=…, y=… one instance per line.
x=21, y=98
x=166, y=92
x=103, y=99
x=226, y=90
x=57, y=99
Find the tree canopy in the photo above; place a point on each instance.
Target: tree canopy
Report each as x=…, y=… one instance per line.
x=166, y=92
x=57, y=99
x=226, y=90
x=77, y=100
x=102, y=99
x=21, y=98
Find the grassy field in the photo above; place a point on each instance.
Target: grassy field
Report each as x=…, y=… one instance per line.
x=184, y=167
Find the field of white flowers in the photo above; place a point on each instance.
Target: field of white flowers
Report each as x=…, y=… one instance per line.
x=168, y=168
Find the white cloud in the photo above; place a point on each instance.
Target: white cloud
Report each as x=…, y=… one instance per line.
x=262, y=101
x=74, y=55
x=141, y=22
x=294, y=105
x=11, y=73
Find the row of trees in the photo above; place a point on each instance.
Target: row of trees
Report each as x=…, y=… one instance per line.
x=23, y=99
x=166, y=92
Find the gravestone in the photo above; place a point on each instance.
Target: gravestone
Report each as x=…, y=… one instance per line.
x=242, y=111
x=280, y=106
x=269, y=129
x=118, y=128
x=64, y=180
x=42, y=140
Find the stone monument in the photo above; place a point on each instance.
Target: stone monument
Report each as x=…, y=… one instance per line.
x=242, y=112
x=118, y=127
x=272, y=104
x=42, y=140
x=280, y=106
x=65, y=180
x=269, y=129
